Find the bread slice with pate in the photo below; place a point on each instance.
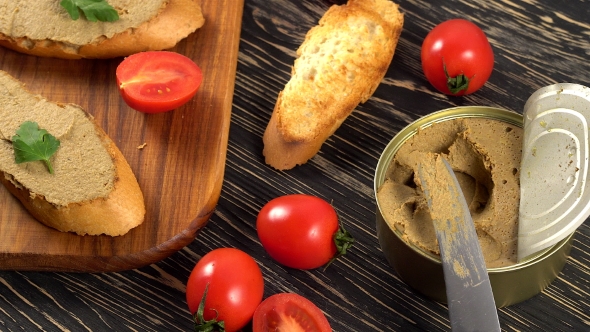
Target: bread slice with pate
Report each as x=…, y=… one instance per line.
x=339, y=65
x=92, y=189
x=44, y=28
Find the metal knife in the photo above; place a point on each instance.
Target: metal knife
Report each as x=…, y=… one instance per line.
x=469, y=293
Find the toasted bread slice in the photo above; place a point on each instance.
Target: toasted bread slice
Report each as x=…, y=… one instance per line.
x=339, y=65
x=44, y=28
x=92, y=189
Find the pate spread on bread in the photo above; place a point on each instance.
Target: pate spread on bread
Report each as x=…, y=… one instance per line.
x=339, y=65
x=92, y=189
x=44, y=28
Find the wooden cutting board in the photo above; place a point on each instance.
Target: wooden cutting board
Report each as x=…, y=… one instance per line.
x=178, y=157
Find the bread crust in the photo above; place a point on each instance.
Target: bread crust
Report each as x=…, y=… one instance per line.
x=339, y=65
x=121, y=210
x=174, y=22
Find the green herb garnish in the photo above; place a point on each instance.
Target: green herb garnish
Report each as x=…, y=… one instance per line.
x=32, y=143
x=94, y=10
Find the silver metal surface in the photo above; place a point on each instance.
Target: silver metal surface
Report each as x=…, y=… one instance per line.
x=469, y=293
x=555, y=193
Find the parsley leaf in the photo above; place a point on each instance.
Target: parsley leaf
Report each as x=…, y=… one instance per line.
x=93, y=10
x=32, y=143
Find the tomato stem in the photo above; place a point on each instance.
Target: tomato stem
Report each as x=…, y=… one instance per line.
x=202, y=325
x=343, y=240
x=458, y=83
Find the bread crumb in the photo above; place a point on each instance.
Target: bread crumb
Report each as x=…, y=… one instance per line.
x=140, y=147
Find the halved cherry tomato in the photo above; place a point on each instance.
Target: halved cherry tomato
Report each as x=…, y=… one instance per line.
x=289, y=312
x=157, y=81
x=234, y=288
x=457, y=58
x=301, y=231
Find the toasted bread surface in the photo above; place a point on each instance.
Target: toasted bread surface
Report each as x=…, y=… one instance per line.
x=45, y=29
x=92, y=190
x=339, y=65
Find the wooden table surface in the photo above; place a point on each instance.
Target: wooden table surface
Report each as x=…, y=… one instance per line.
x=536, y=43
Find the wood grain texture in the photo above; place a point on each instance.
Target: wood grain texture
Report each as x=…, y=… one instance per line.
x=180, y=169
x=536, y=43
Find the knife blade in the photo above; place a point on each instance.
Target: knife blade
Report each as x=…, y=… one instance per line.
x=469, y=293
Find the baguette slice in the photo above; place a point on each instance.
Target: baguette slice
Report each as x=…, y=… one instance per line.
x=339, y=65
x=43, y=28
x=92, y=190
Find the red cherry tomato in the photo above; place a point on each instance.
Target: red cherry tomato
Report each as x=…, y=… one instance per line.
x=234, y=287
x=457, y=58
x=301, y=231
x=157, y=81
x=289, y=312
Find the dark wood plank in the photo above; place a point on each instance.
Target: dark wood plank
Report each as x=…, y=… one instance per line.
x=183, y=157
x=536, y=43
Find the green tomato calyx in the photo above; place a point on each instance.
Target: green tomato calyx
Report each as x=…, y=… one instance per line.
x=202, y=325
x=458, y=83
x=343, y=240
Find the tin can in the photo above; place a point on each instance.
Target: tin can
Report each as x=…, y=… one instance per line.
x=422, y=270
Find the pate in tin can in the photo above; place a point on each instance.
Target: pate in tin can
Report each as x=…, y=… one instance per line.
x=484, y=144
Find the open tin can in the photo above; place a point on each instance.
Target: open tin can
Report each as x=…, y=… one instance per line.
x=423, y=270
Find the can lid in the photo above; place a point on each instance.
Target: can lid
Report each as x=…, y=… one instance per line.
x=554, y=189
